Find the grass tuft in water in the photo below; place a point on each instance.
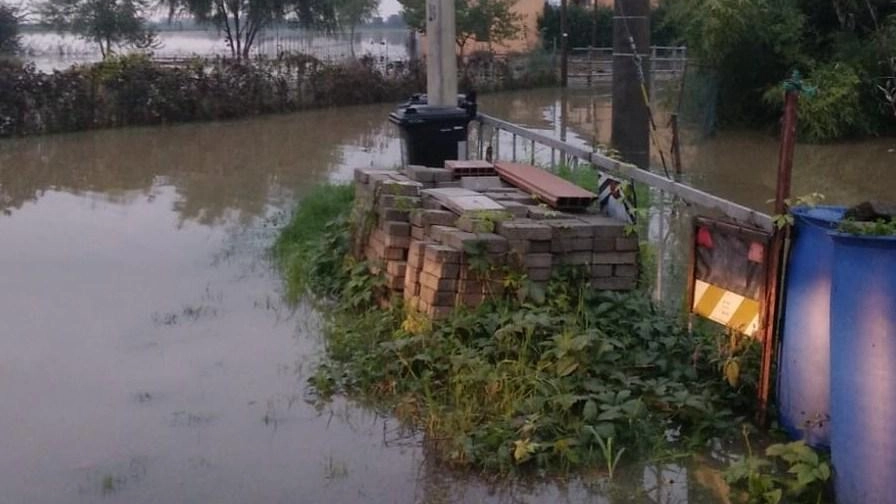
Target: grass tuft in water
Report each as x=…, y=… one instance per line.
x=312, y=246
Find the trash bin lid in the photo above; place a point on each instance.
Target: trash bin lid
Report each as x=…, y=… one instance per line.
x=422, y=114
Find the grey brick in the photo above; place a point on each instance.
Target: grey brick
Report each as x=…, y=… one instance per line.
x=625, y=270
x=614, y=258
x=627, y=244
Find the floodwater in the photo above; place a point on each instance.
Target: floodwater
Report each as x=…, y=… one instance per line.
x=146, y=354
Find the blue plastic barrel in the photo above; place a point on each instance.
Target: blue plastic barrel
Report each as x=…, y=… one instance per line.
x=803, y=367
x=863, y=369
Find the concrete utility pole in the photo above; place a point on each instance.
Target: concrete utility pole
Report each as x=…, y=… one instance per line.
x=631, y=128
x=441, y=58
x=564, y=45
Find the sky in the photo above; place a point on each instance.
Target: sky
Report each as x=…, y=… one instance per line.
x=389, y=7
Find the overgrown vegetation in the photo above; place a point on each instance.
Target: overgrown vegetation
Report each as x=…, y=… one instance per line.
x=568, y=379
x=846, y=49
x=311, y=248
x=9, y=30
x=134, y=90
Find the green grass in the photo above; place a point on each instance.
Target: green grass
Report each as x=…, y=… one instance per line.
x=303, y=256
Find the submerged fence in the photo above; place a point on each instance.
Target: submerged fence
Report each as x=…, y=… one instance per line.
x=595, y=64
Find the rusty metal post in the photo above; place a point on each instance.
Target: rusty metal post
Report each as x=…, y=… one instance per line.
x=676, y=146
x=776, y=257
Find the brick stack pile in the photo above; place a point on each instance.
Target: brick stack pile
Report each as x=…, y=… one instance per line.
x=436, y=232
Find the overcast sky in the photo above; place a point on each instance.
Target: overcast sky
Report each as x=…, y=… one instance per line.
x=389, y=7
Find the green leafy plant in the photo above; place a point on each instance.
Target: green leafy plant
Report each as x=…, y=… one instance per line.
x=878, y=227
x=810, y=200
x=789, y=470
x=611, y=456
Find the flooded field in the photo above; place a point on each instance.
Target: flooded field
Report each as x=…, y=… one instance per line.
x=146, y=355
x=56, y=51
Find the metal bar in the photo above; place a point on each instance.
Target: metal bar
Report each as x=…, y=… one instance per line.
x=775, y=267
x=676, y=146
x=553, y=158
x=497, y=149
x=481, y=139
x=619, y=169
x=514, y=147
x=661, y=250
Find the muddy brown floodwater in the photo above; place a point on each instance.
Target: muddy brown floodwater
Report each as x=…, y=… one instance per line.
x=146, y=355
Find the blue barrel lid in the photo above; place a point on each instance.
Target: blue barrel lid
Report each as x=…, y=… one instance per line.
x=825, y=216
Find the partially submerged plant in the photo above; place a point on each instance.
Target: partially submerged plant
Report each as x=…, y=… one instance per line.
x=789, y=470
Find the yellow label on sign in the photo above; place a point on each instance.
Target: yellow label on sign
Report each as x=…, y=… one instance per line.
x=725, y=307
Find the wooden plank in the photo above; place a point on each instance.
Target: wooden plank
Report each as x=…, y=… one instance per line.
x=739, y=213
x=558, y=192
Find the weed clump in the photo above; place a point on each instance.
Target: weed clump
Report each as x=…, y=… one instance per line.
x=554, y=380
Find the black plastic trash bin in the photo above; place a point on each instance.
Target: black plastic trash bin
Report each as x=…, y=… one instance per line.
x=430, y=134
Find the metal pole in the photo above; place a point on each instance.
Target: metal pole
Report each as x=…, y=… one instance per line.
x=533, y=152
x=661, y=249
x=676, y=146
x=480, y=138
x=776, y=259
x=514, y=148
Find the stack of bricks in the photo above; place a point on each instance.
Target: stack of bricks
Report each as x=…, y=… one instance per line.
x=431, y=177
x=391, y=196
x=437, y=248
x=614, y=260
x=529, y=242
x=438, y=280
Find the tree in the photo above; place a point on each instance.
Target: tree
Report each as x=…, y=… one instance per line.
x=491, y=21
x=351, y=13
x=9, y=29
x=110, y=24
x=242, y=20
x=239, y=20
x=395, y=21
x=586, y=26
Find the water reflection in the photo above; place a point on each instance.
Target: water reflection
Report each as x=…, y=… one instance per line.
x=240, y=167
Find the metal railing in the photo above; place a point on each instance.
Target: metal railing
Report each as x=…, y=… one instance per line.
x=596, y=63
x=523, y=144
x=664, y=219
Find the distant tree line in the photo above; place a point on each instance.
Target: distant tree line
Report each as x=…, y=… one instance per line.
x=488, y=21
x=592, y=25
x=121, y=24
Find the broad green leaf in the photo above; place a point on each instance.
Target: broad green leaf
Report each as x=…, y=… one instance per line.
x=590, y=410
